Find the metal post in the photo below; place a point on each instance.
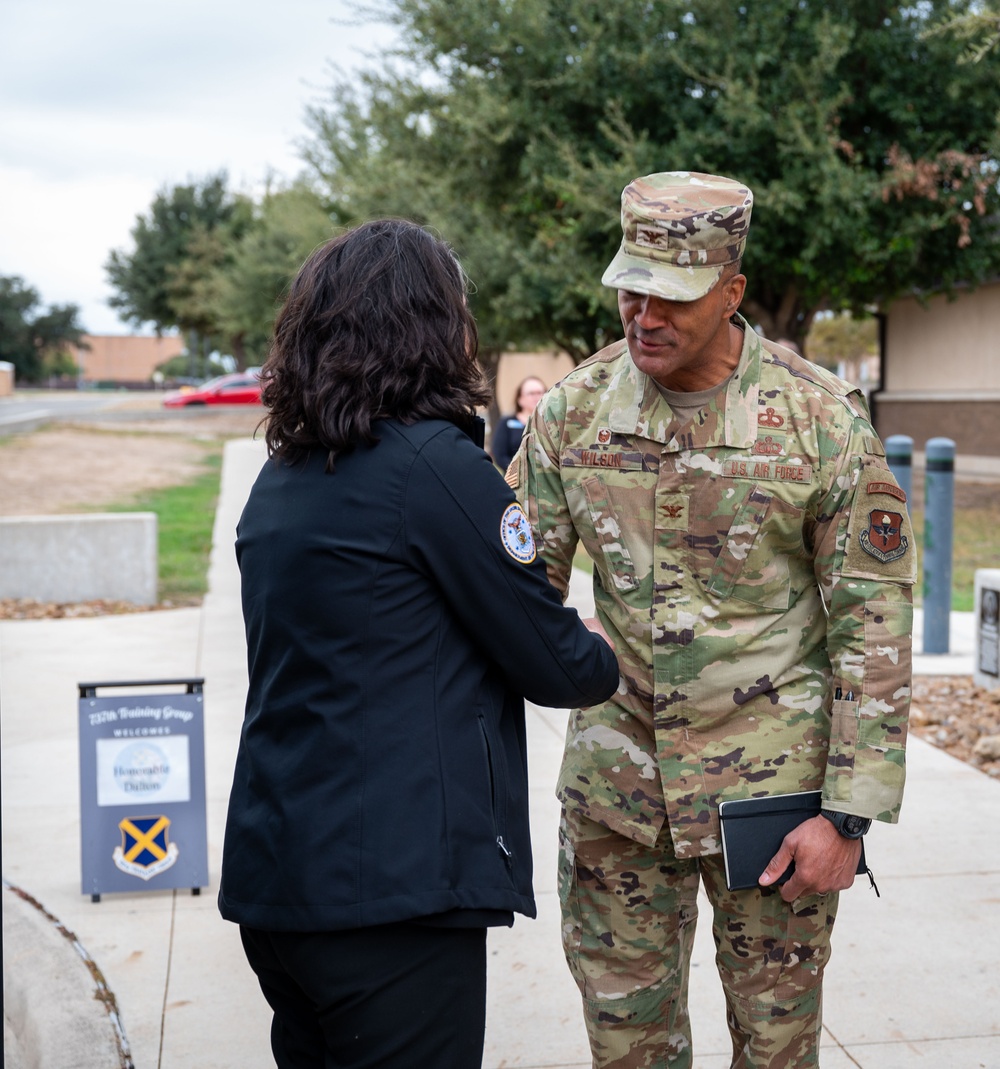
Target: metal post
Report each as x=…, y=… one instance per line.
x=939, y=524
x=899, y=457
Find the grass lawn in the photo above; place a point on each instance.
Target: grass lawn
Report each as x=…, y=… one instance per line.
x=975, y=544
x=185, y=517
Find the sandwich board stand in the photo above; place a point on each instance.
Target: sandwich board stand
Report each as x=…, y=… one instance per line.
x=142, y=787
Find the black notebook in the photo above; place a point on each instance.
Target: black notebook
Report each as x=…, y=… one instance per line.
x=752, y=830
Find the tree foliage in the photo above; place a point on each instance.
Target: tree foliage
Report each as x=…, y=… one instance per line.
x=216, y=264
x=977, y=28
x=248, y=290
x=177, y=246
x=179, y=368
x=834, y=339
x=35, y=340
x=512, y=125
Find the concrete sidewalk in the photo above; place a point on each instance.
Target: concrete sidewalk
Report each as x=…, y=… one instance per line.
x=914, y=979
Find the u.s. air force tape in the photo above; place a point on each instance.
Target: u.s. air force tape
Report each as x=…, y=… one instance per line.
x=515, y=534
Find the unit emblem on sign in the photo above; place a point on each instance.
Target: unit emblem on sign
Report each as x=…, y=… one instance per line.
x=145, y=849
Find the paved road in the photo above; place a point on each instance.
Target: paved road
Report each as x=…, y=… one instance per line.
x=29, y=409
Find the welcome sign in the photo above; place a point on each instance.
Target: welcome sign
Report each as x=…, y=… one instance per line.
x=142, y=788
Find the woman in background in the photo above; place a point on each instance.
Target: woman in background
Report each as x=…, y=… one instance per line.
x=396, y=616
x=507, y=436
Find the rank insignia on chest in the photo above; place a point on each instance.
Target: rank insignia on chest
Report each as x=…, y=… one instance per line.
x=672, y=512
x=884, y=539
x=768, y=446
x=770, y=418
x=516, y=536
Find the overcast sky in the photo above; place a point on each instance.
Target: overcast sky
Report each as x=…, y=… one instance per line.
x=105, y=102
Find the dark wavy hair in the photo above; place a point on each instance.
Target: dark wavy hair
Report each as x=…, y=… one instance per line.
x=375, y=326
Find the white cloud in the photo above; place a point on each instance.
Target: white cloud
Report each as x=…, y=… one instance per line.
x=106, y=103
x=57, y=235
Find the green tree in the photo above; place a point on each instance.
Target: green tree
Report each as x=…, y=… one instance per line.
x=977, y=28
x=179, y=367
x=847, y=345
x=393, y=146
x=247, y=289
x=33, y=339
x=177, y=247
x=512, y=126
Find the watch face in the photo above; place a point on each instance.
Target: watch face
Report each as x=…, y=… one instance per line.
x=856, y=825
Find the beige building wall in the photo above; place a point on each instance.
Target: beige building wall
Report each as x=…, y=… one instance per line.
x=550, y=367
x=945, y=345
x=942, y=372
x=124, y=357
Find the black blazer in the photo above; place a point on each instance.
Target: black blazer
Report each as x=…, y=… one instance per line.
x=392, y=635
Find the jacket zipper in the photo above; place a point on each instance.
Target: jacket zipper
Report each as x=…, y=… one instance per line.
x=504, y=850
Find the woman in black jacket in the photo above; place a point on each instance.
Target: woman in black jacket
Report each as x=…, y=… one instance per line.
x=396, y=618
x=507, y=436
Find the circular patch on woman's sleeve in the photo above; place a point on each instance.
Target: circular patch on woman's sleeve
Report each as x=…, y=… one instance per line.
x=515, y=534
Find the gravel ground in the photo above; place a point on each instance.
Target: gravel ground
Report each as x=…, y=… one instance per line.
x=952, y=713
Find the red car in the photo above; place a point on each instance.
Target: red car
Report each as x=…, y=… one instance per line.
x=240, y=388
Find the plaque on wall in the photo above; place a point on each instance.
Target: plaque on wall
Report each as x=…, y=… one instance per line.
x=989, y=631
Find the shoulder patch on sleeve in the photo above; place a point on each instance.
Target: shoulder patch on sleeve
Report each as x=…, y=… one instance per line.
x=886, y=487
x=881, y=539
x=515, y=534
x=512, y=477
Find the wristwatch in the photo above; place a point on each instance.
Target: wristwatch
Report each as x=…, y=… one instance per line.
x=850, y=826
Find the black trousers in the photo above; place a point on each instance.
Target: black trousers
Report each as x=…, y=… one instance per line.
x=395, y=996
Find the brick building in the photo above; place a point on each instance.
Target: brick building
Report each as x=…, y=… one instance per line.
x=123, y=358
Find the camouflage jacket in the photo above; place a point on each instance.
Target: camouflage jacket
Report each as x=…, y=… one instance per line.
x=754, y=568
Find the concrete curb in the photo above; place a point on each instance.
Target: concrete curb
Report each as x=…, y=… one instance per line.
x=58, y=1010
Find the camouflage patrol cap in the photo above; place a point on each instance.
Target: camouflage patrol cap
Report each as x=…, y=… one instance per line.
x=680, y=229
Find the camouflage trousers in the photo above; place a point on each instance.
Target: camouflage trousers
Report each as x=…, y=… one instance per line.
x=628, y=916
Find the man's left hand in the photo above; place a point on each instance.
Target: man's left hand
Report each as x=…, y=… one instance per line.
x=824, y=860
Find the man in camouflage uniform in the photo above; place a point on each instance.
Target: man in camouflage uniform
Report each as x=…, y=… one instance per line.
x=753, y=566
